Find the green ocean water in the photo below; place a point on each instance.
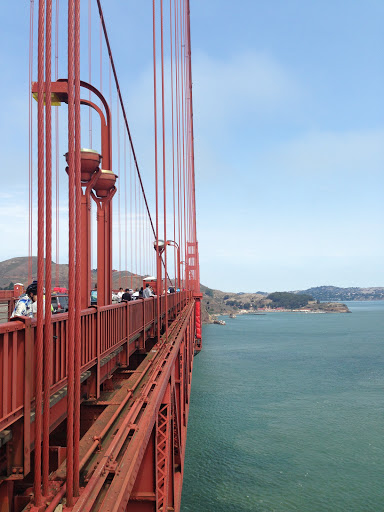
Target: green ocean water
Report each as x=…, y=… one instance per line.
x=287, y=414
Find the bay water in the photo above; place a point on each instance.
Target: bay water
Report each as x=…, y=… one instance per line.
x=287, y=414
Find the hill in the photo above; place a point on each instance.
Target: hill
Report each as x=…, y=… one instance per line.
x=15, y=270
x=216, y=302
x=332, y=293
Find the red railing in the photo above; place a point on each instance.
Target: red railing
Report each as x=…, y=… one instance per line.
x=6, y=294
x=102, y=331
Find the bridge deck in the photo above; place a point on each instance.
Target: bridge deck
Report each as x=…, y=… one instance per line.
x=127, y=376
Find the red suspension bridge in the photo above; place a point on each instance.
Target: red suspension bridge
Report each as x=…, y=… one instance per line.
x=94, y=402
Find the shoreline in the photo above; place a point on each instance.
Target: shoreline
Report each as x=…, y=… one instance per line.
x=332, y=310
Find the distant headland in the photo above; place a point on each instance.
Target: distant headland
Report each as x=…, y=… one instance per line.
x=321, y=299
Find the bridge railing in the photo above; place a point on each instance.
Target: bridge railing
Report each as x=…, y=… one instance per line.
x=102, y=331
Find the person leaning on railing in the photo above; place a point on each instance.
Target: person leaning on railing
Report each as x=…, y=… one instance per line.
x=126, y=297
x=24, y=304
x=147, y=292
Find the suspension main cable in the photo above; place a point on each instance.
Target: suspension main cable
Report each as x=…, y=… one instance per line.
x=123, y=109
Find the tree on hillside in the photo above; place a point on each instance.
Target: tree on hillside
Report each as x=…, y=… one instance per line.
x=288, y=300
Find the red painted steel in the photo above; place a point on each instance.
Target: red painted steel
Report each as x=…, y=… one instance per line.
x=40, y=258
x=71, y=255
x=48, y=246
x=116, y=331
x=97, y=397
x=79, y=253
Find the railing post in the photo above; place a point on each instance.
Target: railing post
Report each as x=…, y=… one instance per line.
x=143, y=342
x=128, y=333
x=98, y=350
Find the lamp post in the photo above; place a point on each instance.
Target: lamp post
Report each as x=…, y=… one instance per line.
x=162, y=246
x=159, y=247
x=99, y=184
x=176, y=245
x=182, y=280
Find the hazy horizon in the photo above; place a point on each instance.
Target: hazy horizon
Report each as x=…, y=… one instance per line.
x=237, y=290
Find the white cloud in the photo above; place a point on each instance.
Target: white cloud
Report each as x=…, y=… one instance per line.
x=246, y=83
x=328, y=153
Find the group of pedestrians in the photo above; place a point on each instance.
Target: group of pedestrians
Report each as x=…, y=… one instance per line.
x=141, y=293
x=27, y=303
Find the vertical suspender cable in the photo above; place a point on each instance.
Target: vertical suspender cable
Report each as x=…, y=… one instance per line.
x=164, y=169
x=177, y=120
x=173, y=144
x=90, y=109
x=48, y=246
x=181, y=128
x=182, y=192
x=136, y=270
x=125, y=209
x=185, y=209
x=131, y=213
x=193, y=191
x=71, y=255
x=101, y=57
x=77, y=334
x=119, y=188
x=90, y=66
x=139, y=271
x=30, y=178
x=143, y=234
x=40, y=258
x=57, y=170
x=158, y=263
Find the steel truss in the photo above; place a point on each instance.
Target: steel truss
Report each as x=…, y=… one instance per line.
x=133, y=436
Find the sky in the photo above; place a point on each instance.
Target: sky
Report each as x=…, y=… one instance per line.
x=289, y=135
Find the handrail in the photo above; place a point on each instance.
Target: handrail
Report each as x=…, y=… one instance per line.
x=116, y=325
